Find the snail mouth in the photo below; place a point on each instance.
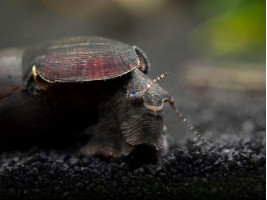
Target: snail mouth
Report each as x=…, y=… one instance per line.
x=156, y=144
x=144, y=131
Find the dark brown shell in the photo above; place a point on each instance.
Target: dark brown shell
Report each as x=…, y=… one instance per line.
x=80, y=59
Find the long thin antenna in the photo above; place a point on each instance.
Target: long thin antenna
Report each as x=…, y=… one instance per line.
x=148, y=86
x=171, y=102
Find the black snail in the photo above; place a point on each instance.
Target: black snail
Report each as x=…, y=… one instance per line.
x=90, y=86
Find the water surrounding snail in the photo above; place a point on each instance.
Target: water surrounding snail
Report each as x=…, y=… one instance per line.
x=85, y=86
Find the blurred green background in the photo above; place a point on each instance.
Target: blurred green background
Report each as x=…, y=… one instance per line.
x=211, y=48
x=220, y=29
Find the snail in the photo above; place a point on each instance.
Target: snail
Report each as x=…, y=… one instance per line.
x=85, y=86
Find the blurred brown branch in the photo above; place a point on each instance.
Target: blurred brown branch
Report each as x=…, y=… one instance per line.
x=248, y=78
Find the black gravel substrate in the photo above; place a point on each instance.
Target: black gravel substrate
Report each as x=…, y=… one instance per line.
x=226, y=173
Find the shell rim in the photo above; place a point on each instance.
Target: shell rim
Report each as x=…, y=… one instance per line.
x=82, y=81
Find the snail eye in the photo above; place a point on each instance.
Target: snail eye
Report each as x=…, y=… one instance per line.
x=133, y=94
x=133, y=97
